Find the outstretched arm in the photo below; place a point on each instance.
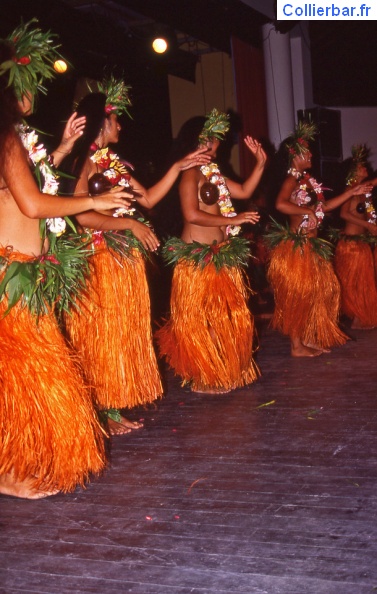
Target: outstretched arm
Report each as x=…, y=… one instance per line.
x=339, y=200
x=36, y=205
x=154, y=194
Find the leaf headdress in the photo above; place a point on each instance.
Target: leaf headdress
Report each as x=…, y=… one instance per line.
x=360, y=155
x=33, y=63
x=305, y=132
x=215, y=126
x=117, y=92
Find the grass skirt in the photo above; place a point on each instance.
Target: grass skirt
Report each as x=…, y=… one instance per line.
x=307, y=295
x=112, y=332
x=49, y=429
x=208, y=340
x=354, y=266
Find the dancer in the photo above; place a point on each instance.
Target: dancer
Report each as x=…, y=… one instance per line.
x=354, y=263
x=208, y=339
x=306, y=290
x=112, y=330
x=50, y=438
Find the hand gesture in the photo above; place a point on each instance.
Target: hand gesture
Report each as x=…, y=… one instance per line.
x=365, y=188
x=245, y=217
x=197, y=158
x=74, y=128
x=112, y=199
x=256, y=148
x=144, y=234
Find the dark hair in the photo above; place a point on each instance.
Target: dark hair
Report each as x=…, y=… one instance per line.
x=92, y=106
x=187, y=139
x=10, y=111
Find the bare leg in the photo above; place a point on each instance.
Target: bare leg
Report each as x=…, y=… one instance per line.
x=9, y=485
x=298, y=349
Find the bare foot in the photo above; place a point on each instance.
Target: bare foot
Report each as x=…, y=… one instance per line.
x=202, y=390
x=122, y=426
x=304, y=351
x=9, y=485
x=317, y=348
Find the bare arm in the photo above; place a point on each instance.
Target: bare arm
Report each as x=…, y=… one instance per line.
x=101, y=222
x=283, y=203
x=339, y=200
x=154, y=194
x=245, y=190
x=33, y=203
x=104, y=222
x=73, y=130
x=188, y=191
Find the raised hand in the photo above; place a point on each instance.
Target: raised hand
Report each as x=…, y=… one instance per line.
x=256, y=148
x=74, y=128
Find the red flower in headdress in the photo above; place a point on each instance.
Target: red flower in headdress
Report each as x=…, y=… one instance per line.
x=24, y=61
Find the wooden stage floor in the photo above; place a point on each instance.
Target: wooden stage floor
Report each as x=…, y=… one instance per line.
x=271, y=489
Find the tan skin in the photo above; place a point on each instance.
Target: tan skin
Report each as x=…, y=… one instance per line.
x=356, y=222
x=284, y=204
x=22, y=206
x=149, y=198
x=205, y=223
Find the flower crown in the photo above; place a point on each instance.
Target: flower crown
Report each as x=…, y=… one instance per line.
x=215, y=126
x=117, y=95
x=33, y=62
x=305, y=131
x=360, y=154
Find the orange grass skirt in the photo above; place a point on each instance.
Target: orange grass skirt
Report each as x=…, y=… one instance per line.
x=208, y=340
x=354, y=266
x=49, y=429
x=307, y=295
x=112, y=332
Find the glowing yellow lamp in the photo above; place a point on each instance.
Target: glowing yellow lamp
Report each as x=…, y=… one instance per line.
x=60, y=66
x=160, y=45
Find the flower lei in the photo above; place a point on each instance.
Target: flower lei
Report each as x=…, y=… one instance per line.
x=212, y=173
x=370, y=210
x=116, y=173
x=302, y=196
x=42, y=168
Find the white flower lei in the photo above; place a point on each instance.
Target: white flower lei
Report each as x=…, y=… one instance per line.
x=302, y=197
x=370, y=210
x=213, y=175
x=38, y=156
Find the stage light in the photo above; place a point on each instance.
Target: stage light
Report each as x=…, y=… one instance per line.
x=60, y=66
x=160, y=45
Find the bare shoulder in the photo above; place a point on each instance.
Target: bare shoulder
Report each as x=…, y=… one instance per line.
x=288, y=186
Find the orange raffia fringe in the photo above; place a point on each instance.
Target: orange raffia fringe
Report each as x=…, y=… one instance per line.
x=354, y=267
x=112, y=332
x=307, y=295
x=209, y=338
x=49, y=429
